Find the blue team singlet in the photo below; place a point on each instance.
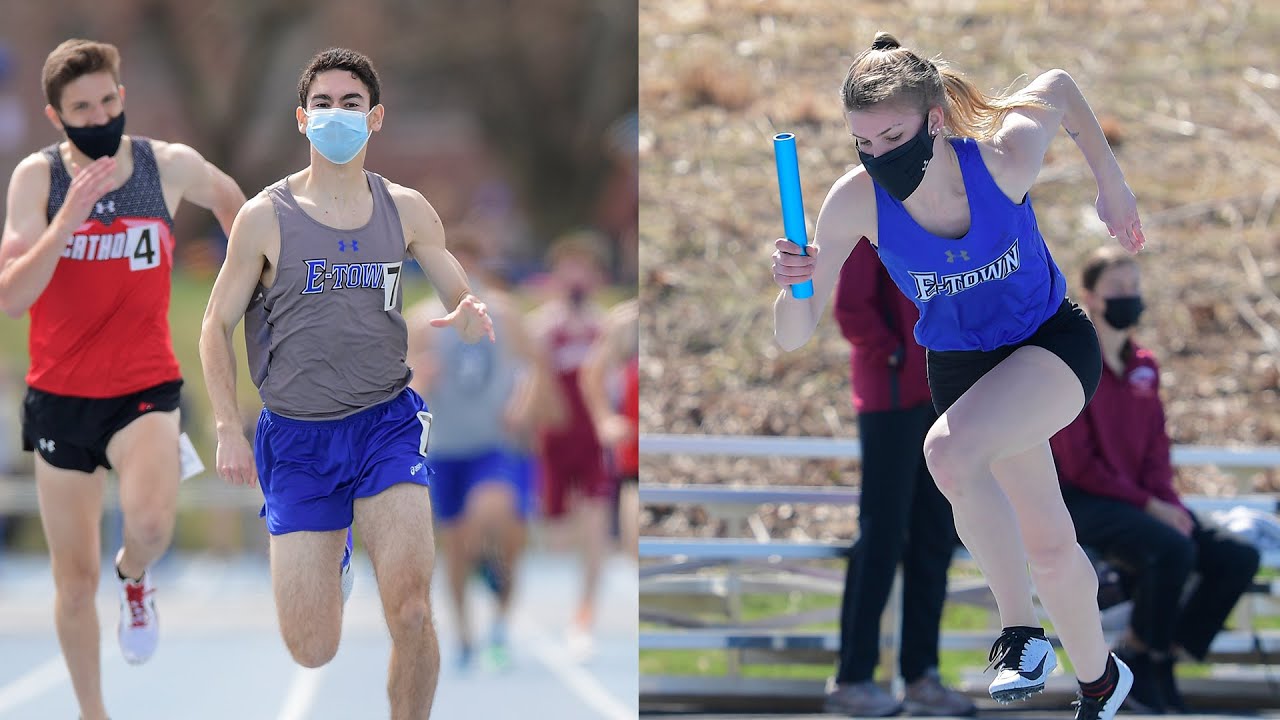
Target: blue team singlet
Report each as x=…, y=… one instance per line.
x=990, y=288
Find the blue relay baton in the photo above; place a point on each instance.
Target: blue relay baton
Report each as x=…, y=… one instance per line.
x=784, y=153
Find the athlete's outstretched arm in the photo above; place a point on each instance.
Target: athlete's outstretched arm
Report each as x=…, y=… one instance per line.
x=1025, y=137
x=239, y=277
x=836, y=233
x=424, y=236
x=203, y=183
x=32, y=245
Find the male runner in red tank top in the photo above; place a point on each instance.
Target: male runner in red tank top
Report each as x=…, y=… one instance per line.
x=617, y=354
x=571, y=457
x=88, y=250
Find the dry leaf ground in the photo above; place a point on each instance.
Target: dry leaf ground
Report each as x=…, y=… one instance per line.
x=1187, y=91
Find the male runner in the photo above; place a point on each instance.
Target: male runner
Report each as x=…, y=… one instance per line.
x=617, y=351
x=88, y=249
x=315, y=260
x=572, y=458
x=487, y=399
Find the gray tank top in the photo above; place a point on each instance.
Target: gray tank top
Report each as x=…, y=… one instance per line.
x=327, y=339
x=469, y=396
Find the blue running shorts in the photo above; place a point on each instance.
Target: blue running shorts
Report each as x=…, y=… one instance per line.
x=312, y=471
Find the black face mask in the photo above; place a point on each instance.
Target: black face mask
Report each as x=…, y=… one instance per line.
x=900, y=170
x=1122, y=312
x=97, y=141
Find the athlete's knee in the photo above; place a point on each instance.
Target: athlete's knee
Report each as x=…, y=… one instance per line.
x=312, y=647
x=149, y=527
x=410, y=617
x=77, y=586
x=951, y=461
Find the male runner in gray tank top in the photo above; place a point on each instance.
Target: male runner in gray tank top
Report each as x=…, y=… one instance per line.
x=313, y=265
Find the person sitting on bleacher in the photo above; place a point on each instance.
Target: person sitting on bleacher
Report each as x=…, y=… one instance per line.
x=1114, y=466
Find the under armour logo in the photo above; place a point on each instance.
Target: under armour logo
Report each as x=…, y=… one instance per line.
x=355, y=246
x=46, y=446
x=104, y=208
x=951, y=257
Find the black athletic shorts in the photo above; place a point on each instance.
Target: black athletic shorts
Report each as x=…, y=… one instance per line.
x=1069, y=334
x=72, y=432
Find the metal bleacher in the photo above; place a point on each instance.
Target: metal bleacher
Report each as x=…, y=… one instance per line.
x=684, y=579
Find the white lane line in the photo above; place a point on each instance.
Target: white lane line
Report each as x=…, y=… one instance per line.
x=302, y=693
x=45, y=677
x=581, y=682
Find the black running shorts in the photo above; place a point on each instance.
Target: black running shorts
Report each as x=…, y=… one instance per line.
x=72, y=432
x=1069, y=334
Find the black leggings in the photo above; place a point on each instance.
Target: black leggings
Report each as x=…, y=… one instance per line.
x=1069, y=334
x=905, y=520
x=1160, y=561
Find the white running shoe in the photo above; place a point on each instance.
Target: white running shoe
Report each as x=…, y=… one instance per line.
x=139, y=628
x=1023, y=662
x=580, y=644
x=1106, y=707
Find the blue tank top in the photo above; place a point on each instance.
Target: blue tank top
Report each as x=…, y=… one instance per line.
x=992, y=287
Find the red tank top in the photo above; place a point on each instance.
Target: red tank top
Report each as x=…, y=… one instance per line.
x=629, y=449
x=101, y=327
x=569, y=347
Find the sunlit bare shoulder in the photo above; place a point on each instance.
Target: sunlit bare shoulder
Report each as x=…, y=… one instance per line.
x=850, y=207
x=417, y=216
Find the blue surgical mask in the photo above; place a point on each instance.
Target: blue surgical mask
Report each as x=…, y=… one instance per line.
x=337, y=134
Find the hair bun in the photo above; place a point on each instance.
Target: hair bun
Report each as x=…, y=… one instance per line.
x=885, y=41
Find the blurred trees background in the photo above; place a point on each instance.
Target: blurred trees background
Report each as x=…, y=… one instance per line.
x=476, y=90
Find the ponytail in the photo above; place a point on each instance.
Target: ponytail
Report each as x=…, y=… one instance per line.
x=971, y=112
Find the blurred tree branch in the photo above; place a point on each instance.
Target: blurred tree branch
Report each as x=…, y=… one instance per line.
x=186, y=40
x=544, y=80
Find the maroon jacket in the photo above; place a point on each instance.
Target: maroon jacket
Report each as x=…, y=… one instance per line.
x=1118, y=446
x=879, y=322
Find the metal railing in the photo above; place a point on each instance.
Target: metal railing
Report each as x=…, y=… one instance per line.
x=744, y=558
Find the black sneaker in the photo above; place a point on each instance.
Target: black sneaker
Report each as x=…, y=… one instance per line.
x=1023, y=661
x=1174, y=704
x=1146, y=697
x=1106, y=707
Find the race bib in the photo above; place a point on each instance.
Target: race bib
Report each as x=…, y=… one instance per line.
x=189, y=464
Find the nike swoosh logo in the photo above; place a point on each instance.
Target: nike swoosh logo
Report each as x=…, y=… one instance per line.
x=1035, y=674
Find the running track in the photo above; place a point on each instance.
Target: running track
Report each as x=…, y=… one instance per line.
x=220, y=655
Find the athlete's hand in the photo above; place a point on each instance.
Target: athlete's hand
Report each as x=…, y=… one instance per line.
x=88, y=185
x=235, y=459
x=1172, y=515
x=1118, y=209
x=471, y=320
x=789, y=266
x=614, y=428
